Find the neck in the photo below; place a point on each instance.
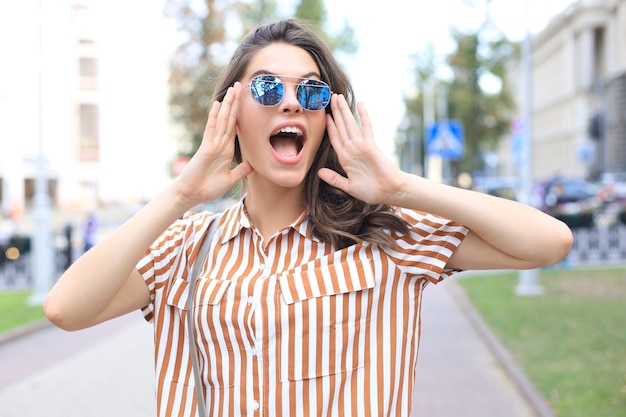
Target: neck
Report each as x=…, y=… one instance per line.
x=273, y=210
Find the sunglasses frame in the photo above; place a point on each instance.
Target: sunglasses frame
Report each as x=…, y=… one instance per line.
x=277, y=80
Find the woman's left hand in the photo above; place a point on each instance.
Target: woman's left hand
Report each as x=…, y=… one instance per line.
x=371, y=176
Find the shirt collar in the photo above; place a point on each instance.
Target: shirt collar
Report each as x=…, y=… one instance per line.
x=236, y=219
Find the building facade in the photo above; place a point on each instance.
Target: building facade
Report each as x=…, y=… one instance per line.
x=579, y=92
x=83, y=98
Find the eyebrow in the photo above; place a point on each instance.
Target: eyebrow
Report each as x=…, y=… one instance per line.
x=267, y=72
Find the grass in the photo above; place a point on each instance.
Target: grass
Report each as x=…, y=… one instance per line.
x=571, y=342
x=15, y=310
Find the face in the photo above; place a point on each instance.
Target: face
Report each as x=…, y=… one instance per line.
x=280, y=142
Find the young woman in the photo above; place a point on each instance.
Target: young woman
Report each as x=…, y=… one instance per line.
x=309, y=300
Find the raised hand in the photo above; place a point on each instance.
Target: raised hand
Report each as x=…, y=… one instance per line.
x=208, y=175
x=371, y=176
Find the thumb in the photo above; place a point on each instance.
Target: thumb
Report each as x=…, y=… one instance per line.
x=242, y=170
x=333, y=178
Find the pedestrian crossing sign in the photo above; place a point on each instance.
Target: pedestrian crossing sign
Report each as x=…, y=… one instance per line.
x=445, y=139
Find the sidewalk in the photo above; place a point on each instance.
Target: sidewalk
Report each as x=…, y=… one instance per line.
x=463, y=370
x=108, y=371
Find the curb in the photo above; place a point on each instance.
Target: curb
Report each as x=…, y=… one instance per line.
x=520, y=380
x=11, y=335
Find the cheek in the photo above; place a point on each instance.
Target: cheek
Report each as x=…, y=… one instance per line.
x=318, y=128
x=247, y=124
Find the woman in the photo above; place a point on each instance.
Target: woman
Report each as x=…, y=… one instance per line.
x=309, y=301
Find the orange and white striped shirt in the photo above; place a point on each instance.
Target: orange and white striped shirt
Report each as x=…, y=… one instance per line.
x=291, y=326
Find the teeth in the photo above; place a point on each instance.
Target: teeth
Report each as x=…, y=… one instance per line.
x=290, y=129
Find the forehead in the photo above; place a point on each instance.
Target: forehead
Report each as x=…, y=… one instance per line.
x=283, y=59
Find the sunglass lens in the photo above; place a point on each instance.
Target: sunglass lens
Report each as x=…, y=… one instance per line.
x=267, y=90
x=313, y=94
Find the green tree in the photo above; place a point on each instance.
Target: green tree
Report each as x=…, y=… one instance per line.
x=314, y=11
x=194, y=65
x=486, y=115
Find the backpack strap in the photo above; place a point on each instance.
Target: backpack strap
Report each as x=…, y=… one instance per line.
x=193, y=350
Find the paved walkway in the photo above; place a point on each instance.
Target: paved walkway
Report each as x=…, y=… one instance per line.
x=107, y=370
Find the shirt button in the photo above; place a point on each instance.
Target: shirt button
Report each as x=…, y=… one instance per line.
x=253, y=351
x=250, y=300
x=255, y=405
x=262, y=267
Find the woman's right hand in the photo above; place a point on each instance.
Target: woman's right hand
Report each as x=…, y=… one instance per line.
x=208, y=175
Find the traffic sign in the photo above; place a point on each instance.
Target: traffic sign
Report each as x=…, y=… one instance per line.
x=445, y=139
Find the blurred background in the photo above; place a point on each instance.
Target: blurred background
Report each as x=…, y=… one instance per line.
x=103, y=102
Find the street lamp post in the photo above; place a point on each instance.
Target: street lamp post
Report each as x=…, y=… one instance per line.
x=528, y=283
x=42, y=259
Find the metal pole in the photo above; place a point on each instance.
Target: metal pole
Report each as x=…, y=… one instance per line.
x=528, y=283
x=433, y=162
x=42, y=238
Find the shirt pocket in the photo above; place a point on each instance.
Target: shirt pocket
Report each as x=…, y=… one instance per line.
x=214, y=348
x=324, y=319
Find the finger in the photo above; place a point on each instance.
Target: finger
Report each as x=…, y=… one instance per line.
x=225, y=115
x=366, y=125
x=241, y=171
x=339, y=116
x=231, y=125
x=209, y=130
x=333, y=134
x=333, y=179
x=350, y=125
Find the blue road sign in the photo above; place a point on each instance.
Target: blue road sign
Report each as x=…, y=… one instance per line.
x=445, y=139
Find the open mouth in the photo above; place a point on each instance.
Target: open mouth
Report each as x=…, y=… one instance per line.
x=288, y=141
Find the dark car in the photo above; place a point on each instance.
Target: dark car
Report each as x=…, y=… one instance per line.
x=574, y=201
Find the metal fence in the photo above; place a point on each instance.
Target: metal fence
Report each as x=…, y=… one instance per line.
x=594, y=246
x=16, y=263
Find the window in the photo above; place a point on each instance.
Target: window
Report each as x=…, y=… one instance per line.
x=599, y=53
x=89, y=135
x=88, y=68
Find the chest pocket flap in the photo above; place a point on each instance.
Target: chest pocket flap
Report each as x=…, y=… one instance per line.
x=327, y=276
x=208, y=291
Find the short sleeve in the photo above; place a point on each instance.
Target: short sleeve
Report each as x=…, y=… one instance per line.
x=425, y=250
x=168, y=258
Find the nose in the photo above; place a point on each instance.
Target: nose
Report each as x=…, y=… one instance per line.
x=290, y=103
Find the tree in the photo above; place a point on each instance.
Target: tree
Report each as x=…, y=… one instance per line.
x=195, y=65
x=486, y=115
x=314, y=12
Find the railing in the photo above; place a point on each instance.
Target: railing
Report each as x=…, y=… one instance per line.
x=596, y=246
x=16, y=262
x=593, y=246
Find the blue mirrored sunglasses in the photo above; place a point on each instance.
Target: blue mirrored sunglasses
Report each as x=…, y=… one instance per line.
x=269, y=90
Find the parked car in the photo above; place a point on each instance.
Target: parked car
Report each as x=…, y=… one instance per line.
x=572, y=200
x=613, y=196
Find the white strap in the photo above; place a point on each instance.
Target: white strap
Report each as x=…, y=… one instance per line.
x=193, y=351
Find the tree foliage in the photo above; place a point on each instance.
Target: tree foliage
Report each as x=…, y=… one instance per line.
x=486, y=115
x=195, y=64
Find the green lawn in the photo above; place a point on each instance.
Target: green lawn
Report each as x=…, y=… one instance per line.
x=571, y=342
x=15, y=311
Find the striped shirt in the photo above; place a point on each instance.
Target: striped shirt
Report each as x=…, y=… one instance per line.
x=290, y=326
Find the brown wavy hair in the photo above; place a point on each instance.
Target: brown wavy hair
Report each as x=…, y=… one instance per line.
x=336, y=216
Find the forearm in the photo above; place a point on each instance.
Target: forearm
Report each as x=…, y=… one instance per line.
x=518, y=230
x=91, y=284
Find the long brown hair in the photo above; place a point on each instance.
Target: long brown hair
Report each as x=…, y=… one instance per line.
x=336, y=216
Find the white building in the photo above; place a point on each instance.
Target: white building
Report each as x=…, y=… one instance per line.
x=104, y=126
x=579, y=71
